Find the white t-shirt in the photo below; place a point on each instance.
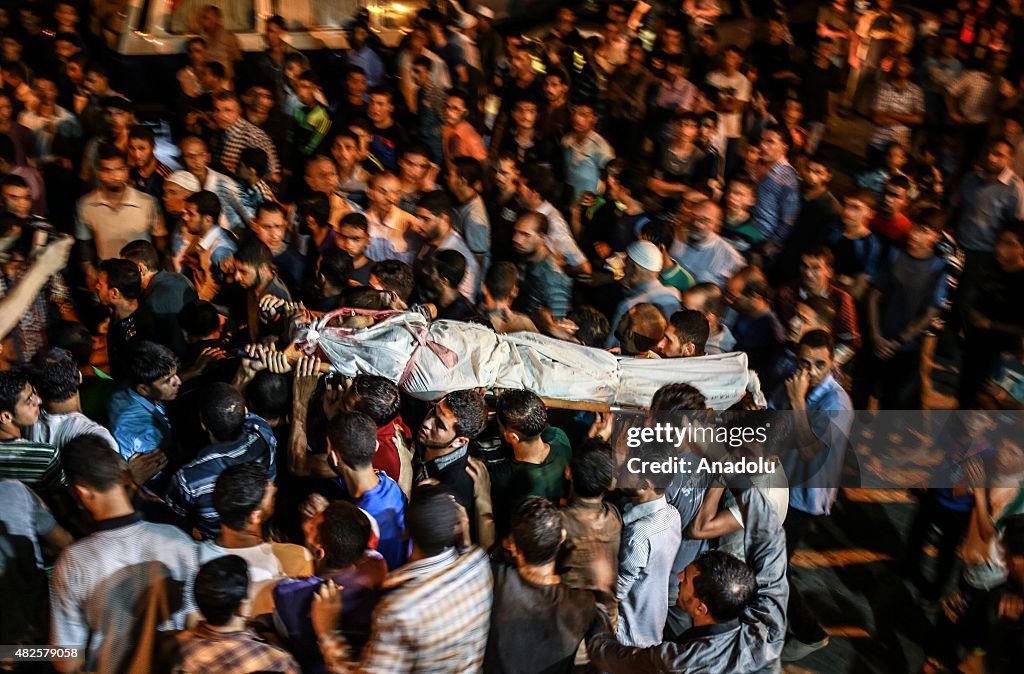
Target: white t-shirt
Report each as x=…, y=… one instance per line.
x=737, y=86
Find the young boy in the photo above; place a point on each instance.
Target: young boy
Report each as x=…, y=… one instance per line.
x=353, y=237
x=311, y=122
x=501, y=287
x=857, y=250
x=738, y=227
x=252, y=171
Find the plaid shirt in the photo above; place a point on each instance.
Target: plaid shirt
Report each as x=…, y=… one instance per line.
x=907, y=100
x=29, y=336
x=433, y=619
x=212, y=652
x=240, y=136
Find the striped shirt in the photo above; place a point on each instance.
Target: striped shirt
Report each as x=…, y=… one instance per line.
x=213, y=652
x=191, y=491
x=433, y=619
x=36, y=464
x=651, y=534
x=112, y=589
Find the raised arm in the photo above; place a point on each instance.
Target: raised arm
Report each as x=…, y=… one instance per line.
x=300, y=461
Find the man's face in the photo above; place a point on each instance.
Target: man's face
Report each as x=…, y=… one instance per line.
x=525, y=115
x=554, y=89
x=454, y=110
x=226, y=113
x=525, y=237
x=816, y=362
x=345, y=151
x=413, y=168
x=196, y=53
x=379, y=109
x=1000, y=155
x=120, y=119
x=18, y=200
x=305, y=91
x=923, y=238
x=76, y=74
x=259, y=100
x=856, y=212
x=384, y=193
x=815, y=272
x=1009, y=251
x=191, y=219
x=583, y=119
x=322, y=176
x=438, y=428
x=815, y=175
x=772, y=147
x=95, y=83
x=420, y=75
x=732, y=60
x=271, y=228
x=26, y=409
x=522, y=63
x=273, y=35
x=103, y=289
x=356, y=85
x=704, y=222
x=671, y=346
x=247, y=276
x=174, y=197
x=740, y=197
x=353, y=240
x=165, y=388
x=687, y=599
x=196, y=156
x=427, y=225
x=506, y=175
x=894, y=199
x=687, y=130
x=804, y=320
x=112, y=173
x=140, y=152
x=209, y=21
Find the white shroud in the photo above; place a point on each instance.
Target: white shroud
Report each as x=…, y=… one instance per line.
x=429, y=359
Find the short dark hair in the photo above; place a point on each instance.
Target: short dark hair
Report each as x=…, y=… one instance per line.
x=357, y=220
x=123, y=275
x=396, y=276
x=144, y=362
x=344, y=534
x=523, y=412
x=353, y=435
x=539, y=220
x=724, y=584
x=74, y=337
x=822, y=307
x=437, y=202
x=678, y=398
x=537, y=530
x=318, y=207
x=222, y=411
x=818, y=339
x=379, y=398
x=142, y=132
x=90, y=462
x=221, y=586
x=593, y=469
x=277, y=20
x=217, y=69
x=199, y=319
x=206, y=203
x=256, y=159
x=254, y=253
x=432, y=519
x=692, y=327
x=593, y=325
x=12, y=383
x=269, y=395
x=780, y=131
x=450, y=265
x=470, y=170
x=143, y=253
x=540, y=179
x=311, y=77
x=336, y=266
x=54, y=374
x=269, y=207
x=501, y=280
x=470, y=412
x=822, y=252
x=659, y=232
x=238, y=493
x=382, y=90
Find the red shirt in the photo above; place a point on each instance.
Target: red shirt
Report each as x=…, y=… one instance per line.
x=895, y=229
x=387, y=458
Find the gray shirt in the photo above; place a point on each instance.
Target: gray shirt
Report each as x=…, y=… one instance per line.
x=472, y=223
x=713, y=260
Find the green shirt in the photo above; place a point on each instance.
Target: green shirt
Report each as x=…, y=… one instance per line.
x=677, y=277
x=512, y=481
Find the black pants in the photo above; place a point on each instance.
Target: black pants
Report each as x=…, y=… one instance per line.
x=896, y=382
x=976, y=626
x=802, y=623
x=952, y=525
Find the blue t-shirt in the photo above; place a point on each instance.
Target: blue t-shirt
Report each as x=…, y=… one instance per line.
x=386, y=503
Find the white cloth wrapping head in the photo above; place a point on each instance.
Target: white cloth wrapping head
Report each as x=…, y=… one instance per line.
x=430, y=359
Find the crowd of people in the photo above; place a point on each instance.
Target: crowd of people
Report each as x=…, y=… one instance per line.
x=180, y=491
